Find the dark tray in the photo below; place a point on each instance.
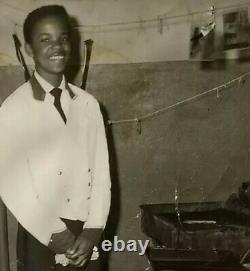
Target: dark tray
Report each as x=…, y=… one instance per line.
x=205, y=236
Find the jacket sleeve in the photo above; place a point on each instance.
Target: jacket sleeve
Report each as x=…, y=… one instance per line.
x=101, y=184
x=16, y=188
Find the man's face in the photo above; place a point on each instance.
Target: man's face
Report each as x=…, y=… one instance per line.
x=50, y=46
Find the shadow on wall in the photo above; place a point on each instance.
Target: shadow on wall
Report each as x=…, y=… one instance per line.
x=75, y=59
x=112, y=223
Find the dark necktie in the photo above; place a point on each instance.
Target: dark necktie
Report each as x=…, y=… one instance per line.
x=56, y=92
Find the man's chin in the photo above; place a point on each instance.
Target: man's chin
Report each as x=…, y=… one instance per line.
x=58, y=67
x=58, y=70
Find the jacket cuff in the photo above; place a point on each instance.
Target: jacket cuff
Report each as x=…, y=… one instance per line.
x=48, y=229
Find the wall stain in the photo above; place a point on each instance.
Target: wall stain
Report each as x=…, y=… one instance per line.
x=102, y=51
x=5, y=59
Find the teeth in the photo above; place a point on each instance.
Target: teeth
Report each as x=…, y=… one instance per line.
x=56, y=57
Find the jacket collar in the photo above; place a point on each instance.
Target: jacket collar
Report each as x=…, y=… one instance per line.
x=39, y=93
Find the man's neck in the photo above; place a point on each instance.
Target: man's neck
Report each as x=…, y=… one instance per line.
x=54, y=79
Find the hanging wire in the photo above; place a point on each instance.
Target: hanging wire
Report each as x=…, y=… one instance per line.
x=185, y=101
x=155, y=20
x=163, y=17
x=177, y=209
x=141, y=21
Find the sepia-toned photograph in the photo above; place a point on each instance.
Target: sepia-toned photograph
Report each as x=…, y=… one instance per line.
x=236, y=29
x=124, y=135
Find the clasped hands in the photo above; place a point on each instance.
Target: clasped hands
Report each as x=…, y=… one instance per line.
x=77, y=250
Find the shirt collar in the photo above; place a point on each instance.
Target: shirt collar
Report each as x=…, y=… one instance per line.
x=40, y=87
x=47, y=87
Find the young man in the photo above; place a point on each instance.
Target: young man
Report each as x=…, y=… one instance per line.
x=54, y=172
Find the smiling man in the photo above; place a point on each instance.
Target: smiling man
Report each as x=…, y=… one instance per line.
x=54, y=170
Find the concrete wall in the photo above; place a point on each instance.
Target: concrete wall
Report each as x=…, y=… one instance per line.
x=201, y=147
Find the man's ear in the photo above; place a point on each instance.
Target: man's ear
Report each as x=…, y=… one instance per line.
x=28, y=49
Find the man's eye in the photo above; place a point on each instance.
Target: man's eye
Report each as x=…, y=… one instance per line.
x=65, y=39
x=45, y=40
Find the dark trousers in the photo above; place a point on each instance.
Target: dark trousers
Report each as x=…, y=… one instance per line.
x=34, y=256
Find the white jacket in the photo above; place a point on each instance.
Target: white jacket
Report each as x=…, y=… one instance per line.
x=48, y=169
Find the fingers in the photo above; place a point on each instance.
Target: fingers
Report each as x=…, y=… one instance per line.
x=73, y=252
x=80, y=261
x=72, y=257
x=77, y=254
x=69, y=253
x=79, y=258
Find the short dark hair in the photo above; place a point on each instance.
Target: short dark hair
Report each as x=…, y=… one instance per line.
x=40, y=13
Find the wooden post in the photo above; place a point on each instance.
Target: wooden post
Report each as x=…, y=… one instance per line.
x=4, y=246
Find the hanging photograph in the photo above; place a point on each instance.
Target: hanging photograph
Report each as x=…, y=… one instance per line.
x=202, y=40
x=236, y=26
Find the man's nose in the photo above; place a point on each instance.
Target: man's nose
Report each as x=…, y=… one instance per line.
x=57, y=44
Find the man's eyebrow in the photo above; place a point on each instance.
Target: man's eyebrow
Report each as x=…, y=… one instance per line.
x=49, y=34
x=44, y=34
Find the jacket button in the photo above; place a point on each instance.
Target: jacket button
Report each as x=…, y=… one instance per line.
x=68, y=200
x=89, y=170
x=88, y=198
x=89, y=183
x=60, y=173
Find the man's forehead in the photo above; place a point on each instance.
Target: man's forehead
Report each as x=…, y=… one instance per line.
x=51, y=22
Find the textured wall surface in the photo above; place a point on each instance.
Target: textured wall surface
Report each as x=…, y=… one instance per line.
x=202, y=147
x=124, y=31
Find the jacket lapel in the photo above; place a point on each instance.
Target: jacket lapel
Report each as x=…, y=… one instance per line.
x=39, y=93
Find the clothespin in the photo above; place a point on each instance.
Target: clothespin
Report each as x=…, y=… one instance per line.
x=218, y=92
x=141, y=27
x=160, y=24
x=138, y=125
x=241, y=81
x=212, y=10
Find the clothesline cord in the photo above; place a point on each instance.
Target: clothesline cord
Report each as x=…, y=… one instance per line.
x=142, y=21
x=164, y=17
x=173, y=106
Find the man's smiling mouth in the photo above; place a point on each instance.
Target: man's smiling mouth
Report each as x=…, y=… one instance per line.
x=57, y=57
